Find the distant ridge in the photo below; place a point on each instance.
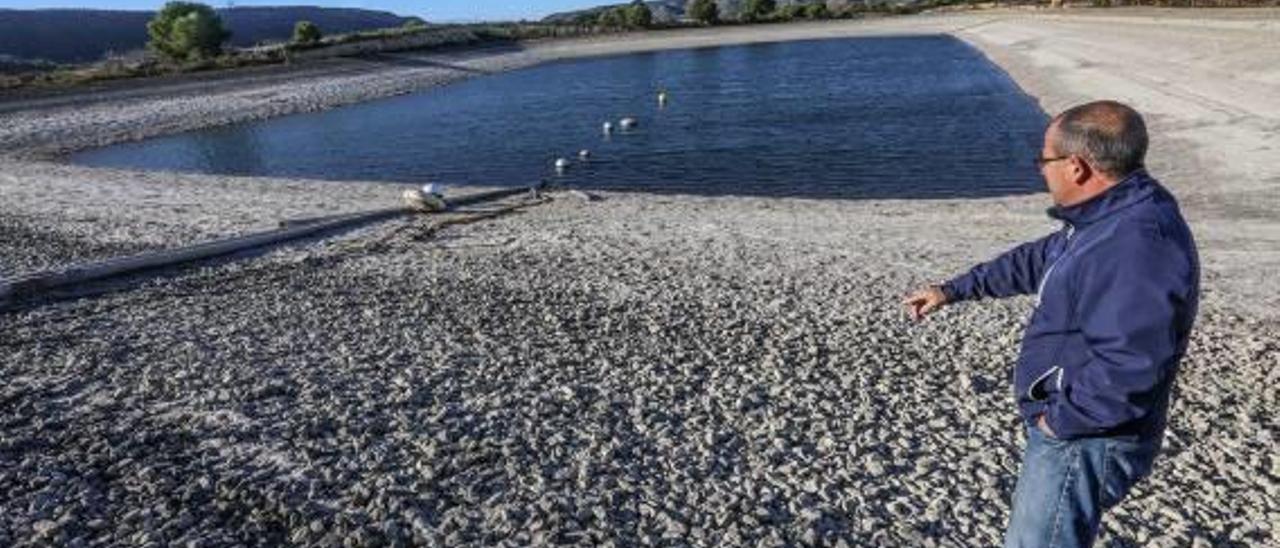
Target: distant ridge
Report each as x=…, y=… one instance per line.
x=82, y=35
x=664, y=11
x=673, y=10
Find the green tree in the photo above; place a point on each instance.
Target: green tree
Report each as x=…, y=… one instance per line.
x=817, y=11
x=794, y=11
x=704, y=11
x=613, y=17
x=306, y=32
x=638, y=15
x=757, y=10
x=185, y=31
x=414, y=23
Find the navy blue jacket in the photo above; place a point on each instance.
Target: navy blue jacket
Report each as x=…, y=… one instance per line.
x=1117, y=292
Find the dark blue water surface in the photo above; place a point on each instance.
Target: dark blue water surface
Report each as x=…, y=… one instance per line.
x=856, y=118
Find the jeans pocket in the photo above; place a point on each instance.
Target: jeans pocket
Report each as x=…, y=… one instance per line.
x=1125, y=464
x=1041, y=437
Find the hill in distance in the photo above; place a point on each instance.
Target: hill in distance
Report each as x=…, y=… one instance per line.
x=664, y=11
x=84, y=35
x=673, y=10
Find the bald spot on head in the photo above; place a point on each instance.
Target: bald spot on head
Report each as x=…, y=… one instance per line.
x=1110, y=135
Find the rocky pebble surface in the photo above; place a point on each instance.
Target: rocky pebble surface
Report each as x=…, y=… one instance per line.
x=634, y=371
x=639, y=370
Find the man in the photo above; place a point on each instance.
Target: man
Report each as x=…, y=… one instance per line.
x=1117, y=290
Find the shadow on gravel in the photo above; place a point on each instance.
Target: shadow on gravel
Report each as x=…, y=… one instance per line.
x=410, y=230
x=408, y=61
x=20, y=303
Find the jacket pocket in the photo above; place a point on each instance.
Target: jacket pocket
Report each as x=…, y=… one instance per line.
x=1049, y=382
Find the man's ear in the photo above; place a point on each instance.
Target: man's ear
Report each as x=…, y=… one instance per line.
x=1081, y=171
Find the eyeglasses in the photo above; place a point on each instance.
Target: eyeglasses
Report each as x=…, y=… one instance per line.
x=1041, y=161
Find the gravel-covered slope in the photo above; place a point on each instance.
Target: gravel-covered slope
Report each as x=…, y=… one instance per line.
x=633, y=370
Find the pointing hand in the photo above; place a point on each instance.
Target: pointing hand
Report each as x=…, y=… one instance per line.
x=924, y=301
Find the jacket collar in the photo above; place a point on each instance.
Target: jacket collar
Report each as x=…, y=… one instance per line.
x=1134, y=188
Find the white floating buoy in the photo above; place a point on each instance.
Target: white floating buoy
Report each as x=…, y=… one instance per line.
x=662, y=98
x=627, y=123
x=607, y=127
x=584, y=154
x=562, y=164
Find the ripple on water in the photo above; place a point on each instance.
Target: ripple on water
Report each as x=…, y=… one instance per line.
x=894, y=117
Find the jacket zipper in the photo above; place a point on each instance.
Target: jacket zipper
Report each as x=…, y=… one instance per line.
x=1071, y=231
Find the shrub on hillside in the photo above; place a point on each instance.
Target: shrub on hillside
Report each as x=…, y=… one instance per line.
x=704, y=11
x=787, y=13
x=759, y=10
x=817, y=11
x=186, y=31
x=306, y=32
x=613, y=17
x=638, y=15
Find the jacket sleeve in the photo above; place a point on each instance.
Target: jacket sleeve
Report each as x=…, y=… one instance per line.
x=1016, y=272
x=1132, y=298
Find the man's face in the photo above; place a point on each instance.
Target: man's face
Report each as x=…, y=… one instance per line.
x=1055, y=169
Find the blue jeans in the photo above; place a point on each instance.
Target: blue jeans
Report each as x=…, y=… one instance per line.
x=1065, y=485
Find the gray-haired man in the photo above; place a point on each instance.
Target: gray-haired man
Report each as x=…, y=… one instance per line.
x=1117, y=292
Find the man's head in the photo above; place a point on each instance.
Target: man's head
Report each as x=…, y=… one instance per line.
x=1091, y=147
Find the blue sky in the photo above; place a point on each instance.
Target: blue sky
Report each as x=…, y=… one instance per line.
x=431, y=10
